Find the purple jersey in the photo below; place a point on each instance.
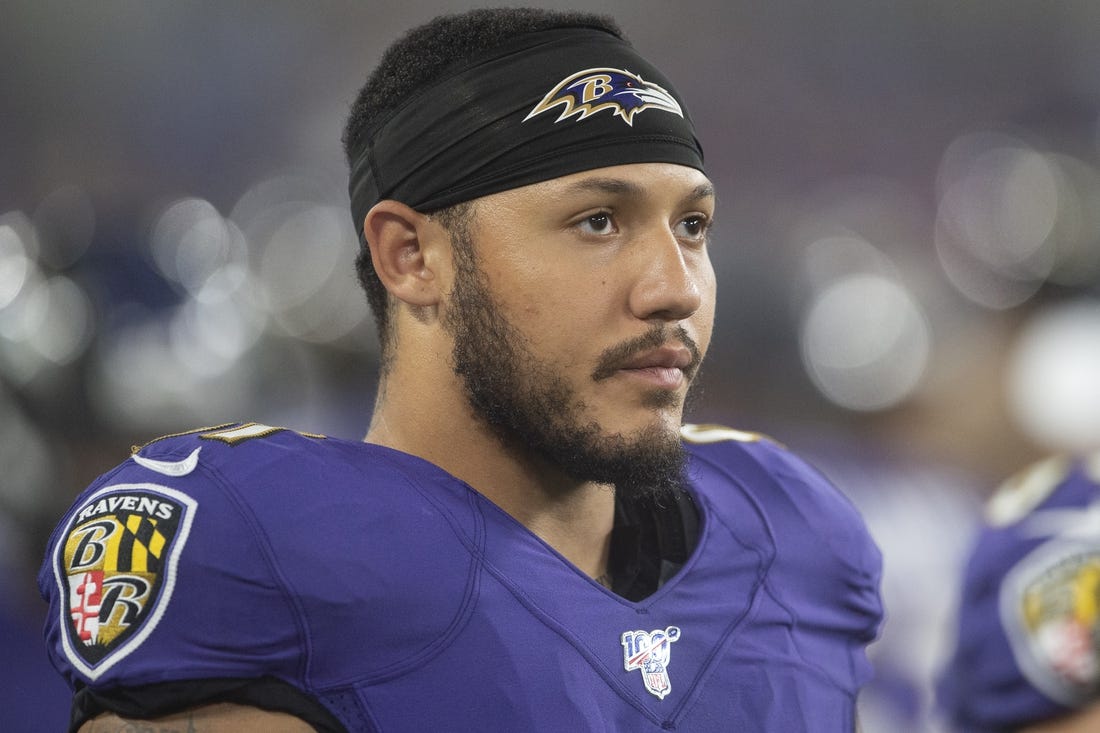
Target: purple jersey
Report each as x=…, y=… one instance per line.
x=1028, y=645
x=396, y=598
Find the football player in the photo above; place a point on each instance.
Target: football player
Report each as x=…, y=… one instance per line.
x=528, y=538
x=1027, y=657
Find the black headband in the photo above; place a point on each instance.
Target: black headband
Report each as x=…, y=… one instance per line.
x=542, y=106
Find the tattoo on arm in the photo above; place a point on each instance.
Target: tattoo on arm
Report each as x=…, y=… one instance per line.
x=118, y=725
x=216, y=718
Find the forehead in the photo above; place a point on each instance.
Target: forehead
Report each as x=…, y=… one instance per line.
x=654, y=182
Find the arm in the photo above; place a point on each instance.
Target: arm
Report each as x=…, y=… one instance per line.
x=219, y=718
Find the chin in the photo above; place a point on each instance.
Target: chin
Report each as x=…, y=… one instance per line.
x=654, y=422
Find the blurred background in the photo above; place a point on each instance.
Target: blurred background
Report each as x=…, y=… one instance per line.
x=908, y=251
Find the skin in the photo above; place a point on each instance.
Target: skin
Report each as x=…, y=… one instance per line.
x=577, y=266
x=1084, y=721
x=619, y=251
x=220, y=718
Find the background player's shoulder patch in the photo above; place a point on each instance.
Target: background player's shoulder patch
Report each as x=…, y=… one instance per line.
x=1050, y=611
x=115, y=567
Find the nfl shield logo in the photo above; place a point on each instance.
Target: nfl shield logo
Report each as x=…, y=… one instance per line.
x=115, y=567
x=649, y=652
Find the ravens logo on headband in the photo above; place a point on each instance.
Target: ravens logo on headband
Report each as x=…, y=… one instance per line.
x=593, y=90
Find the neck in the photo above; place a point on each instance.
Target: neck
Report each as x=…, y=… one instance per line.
x=574, y=517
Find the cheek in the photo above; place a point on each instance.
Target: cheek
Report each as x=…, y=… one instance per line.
x=544, y=313
x=564, y=330
x=704, y=317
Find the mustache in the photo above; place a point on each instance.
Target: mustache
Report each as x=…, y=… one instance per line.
x=613, y=359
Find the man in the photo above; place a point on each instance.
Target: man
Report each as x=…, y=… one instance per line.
x=522, y=542
x=1028, y=651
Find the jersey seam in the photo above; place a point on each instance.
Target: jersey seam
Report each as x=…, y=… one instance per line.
x=764, y=581
x=761, y=583
x=463, y=612
x=782, y=469
x=285, y=586
x=550, y=622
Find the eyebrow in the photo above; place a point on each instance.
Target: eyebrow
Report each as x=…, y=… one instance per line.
x=617, y=186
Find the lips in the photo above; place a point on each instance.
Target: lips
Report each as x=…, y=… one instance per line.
x=666, y=367
x=670, y=355
x=663, y=358
x=663, y=368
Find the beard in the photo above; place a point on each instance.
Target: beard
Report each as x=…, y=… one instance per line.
x=531, y=407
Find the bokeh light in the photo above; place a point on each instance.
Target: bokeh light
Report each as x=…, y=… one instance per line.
x=16, y=265
x=191, y=243
x=865, y=342
x=307, y=274
x=27, y=460
x=1054, y=377
x=899, y=219
x=59, y=322
x=1012, y=217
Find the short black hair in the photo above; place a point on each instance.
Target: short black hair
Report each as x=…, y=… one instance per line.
x=412, y=63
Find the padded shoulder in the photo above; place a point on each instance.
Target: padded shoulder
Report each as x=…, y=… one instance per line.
x=796, y=498
x=1026, y=645
x=823, y=570
x=247, y=550
x=156, y=561
x=822, y=545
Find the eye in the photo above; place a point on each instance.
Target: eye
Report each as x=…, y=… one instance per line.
x=694, y=227
x=599, y=223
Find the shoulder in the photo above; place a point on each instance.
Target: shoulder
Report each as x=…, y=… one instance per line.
x=817, y=533
x=787, y=489
x=235, y=452
x=243, y=477
x=276, y=478
x=1055, y=481
x=822, y=570
x=1028, y=603
x=246, y=550
x=739, y=451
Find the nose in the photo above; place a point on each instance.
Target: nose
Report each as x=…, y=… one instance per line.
x=671, y=279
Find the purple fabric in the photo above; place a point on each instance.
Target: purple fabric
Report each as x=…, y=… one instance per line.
x=372, y=579
x=995, y=681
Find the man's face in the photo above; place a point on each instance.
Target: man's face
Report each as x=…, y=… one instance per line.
x=581, y=309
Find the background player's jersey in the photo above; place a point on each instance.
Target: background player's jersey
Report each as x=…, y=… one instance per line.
x=390, y=596
x=1028, y=646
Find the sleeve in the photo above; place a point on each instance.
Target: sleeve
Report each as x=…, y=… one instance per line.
x=158, y=578
x=1027, y=642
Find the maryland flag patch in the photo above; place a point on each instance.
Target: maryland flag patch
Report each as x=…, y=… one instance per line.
x=1050, y=608
x=115, y=567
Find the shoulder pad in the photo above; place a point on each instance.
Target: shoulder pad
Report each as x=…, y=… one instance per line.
x=1028, y=619
x=1028, y=489
x=228, y=433
x=711, y=433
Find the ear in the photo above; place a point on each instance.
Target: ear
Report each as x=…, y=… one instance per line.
x=405, y=247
